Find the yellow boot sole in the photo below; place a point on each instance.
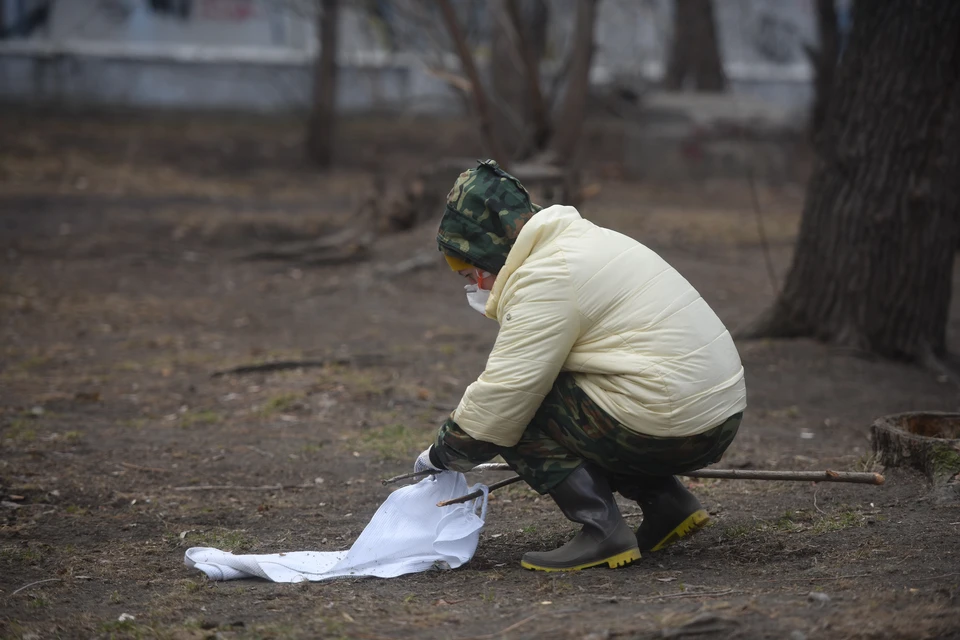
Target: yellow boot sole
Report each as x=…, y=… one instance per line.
x=694, y=522
x=619, y=560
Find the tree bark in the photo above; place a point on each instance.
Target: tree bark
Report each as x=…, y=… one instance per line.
x=695, y=49
x=928, y=442
x=487, y=132
x=875, y=253
x=823, y=58
x=518, y=43
x=322, y=124
x=569, y=121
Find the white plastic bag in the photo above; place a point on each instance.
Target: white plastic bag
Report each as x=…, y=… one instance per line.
x=408, y=533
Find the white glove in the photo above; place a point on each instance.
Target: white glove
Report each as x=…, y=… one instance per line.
x=423, y=462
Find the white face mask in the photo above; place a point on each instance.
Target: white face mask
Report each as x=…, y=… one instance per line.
x=477, y=298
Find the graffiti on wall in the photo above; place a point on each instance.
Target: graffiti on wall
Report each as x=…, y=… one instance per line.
x=216, y=10
x=23, y=19
x=775, y=38
x=227, y=10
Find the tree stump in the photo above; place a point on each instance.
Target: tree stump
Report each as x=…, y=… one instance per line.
x=926, y=441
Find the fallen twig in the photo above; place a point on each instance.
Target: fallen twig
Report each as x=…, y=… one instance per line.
x=33, y=584
x=419, y=261
x=943, y=575
x=479, y=492
x=407, y=476
x=237, y=487
x=815, y=501
x=801, y=476
x=130, y=465
x=346, y=245
x=286, y=365
x=848, y=577
x=265, y=454
x=487, y=466
x=701, y=594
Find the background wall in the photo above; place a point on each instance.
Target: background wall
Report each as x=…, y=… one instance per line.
x=256, y=54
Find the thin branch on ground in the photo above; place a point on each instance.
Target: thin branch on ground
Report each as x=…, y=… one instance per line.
x=942, y=575
x=677, y=596
x=265, y=454
x=815, y=491
x=237, y=487
x=357, y=247
x=479, y=492
x=138, y=467
x=33, y=584
x=286, y=365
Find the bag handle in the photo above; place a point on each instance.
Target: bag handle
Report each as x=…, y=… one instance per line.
x=481, y=499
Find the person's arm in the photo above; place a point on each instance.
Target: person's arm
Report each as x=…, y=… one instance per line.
x=456, y=450
x=538, y=327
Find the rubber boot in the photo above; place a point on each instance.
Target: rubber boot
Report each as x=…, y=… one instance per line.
x=585, y=497
x=670, y=511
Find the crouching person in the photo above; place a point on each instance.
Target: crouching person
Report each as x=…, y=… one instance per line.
x=609, y=373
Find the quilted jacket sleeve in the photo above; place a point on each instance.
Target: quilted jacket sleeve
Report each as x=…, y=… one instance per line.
x=539, y=324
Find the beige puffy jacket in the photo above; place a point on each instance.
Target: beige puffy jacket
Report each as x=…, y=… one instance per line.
x=639, y=339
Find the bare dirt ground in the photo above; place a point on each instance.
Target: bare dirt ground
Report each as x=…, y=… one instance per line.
x=121, y=292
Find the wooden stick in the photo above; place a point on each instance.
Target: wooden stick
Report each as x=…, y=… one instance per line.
x=757, y=474
x=33, y=584
x=407, y=476
x=487, y=466
x=730, y=474
x=476, y=494
x=801, y=476
x=359, y=360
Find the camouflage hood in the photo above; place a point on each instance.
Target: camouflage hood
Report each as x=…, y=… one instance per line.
x=485, y=211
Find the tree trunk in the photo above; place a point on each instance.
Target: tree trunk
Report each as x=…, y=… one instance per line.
x=323, y=116
x=823, y=58
x=518, y=43
x=569, y=121
x=487, y=133
x=875, y=252
x=695, y=49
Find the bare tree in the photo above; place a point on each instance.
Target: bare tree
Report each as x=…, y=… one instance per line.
x=518, y=42
x=553, y=142
x=823, y=58
x=569, y=122
x=323, y=114
x=694, y=56
x=490, y=138
x=875, y=254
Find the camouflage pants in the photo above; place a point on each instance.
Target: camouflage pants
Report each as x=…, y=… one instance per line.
x=569, y=429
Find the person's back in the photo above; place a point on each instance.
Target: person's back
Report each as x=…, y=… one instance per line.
x=677, y=371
